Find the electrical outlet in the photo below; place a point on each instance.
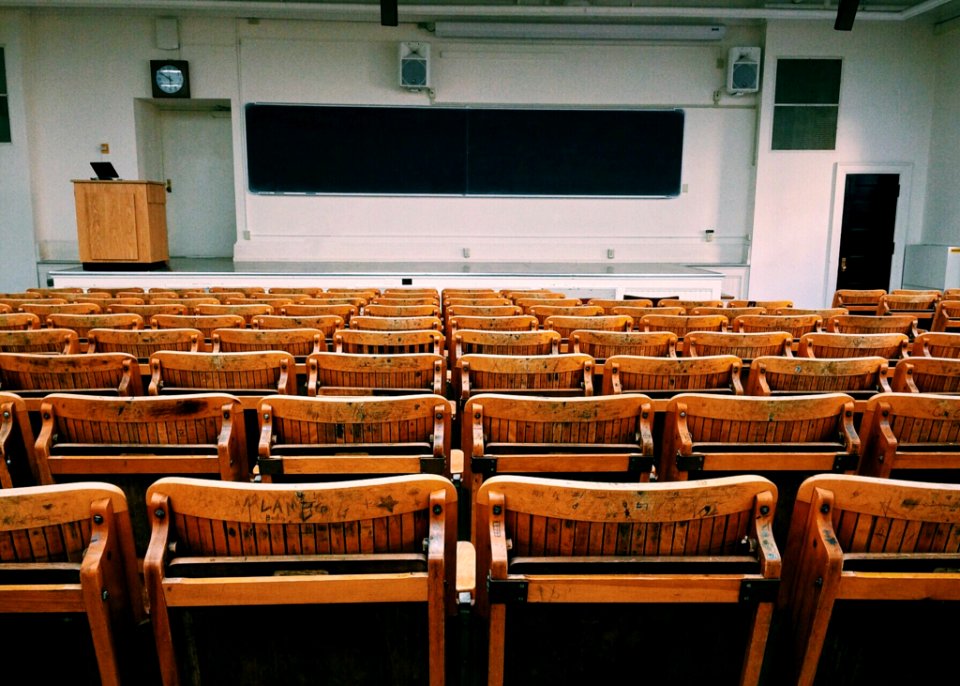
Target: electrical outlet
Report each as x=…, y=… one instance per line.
x=466, y=252
x=104, y=148
x=610, y=253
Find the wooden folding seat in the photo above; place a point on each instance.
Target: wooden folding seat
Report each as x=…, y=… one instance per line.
x=142, y=343
x=796, y=324
x=606, y=438
x=365, y=293
x=167, y=289
x=478, y=302
x=523, y=322
x=364, y=374
x=681, y=324
x=388, y=342
x=274, y=301
x=246, y=290
x=204, y=323
x=638, y=312
x=921, y=305
x=937, y=344
x=326, y=436
x=525, y=303
x=69, y=550
x=858, y=301
x=408, y=292
x=926, y=375
x=43, y=310
x=190, y=304
x=4, y=308
x=301, y=545
x=859, y=377
x=730, y=313
x=405, y=301
x=892, y=346
x=475, y=341
x=246, y=373
x=609, y=303
x=861, y=539
x=549, y=540
x=468, y=292
x=119, y=291
x=32, y=375
x=746, y=346
x=82, y=323
x=248, y=312
x=565, y=325
x=708, y=434
x=51, y=291
x=343, y=310
x=298, y=342
x=918, y=435
x=603, y=344
x=149, y=311
x=566, y=374
x=105, y=300
x=688, y=304
x=295, y=290
x=765, y=304
x=395, y=323
x=327, y=300
x=946, y=317
x=452, y=311
x=15, y=303
x=663, y=377
x=917, y=291
x=542, y=312
x=865, y=323
x=17, y=460
x=327, y=324
x=49, y=341
x=378, y=310
x=824, y=312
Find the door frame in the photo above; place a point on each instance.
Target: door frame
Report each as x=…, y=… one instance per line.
x=841, y=171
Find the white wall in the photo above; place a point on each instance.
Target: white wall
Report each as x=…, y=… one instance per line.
x=886, y=96
x=942, y=223
x=18, y=258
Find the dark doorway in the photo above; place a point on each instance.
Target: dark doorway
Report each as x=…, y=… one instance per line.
x=866, y=232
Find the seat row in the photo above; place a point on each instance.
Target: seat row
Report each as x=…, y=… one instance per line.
x=70, y=549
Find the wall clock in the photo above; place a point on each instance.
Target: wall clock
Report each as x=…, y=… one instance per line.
x=170, y=78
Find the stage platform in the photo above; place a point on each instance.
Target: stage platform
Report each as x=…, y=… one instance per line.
x=613, y=280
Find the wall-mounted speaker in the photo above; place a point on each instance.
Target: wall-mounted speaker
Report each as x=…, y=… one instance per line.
x=415, y=66
x=743, y=71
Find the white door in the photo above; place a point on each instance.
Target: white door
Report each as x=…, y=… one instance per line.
x=197, y=150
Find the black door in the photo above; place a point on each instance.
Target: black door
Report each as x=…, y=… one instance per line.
x=866, y=232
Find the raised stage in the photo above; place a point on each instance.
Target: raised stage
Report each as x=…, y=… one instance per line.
x=613, y=280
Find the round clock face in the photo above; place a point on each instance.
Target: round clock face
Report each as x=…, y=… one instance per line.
x=169, y=78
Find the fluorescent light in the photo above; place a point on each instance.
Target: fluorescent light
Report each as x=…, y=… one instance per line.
x=454, y=29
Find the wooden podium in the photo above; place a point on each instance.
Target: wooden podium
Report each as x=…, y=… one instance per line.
x=121, y=224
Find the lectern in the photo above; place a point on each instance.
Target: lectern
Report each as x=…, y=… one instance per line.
x=121, y=224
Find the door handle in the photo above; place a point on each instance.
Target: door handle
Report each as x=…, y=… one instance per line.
x=843, y=264
x=169, y=186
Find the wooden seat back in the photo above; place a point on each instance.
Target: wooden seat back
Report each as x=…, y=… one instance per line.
x=730, y=313
x=765, y=304
x=330, y=300
x=298, y=342
x=310, y=291
x=274, y=301
x=142, y=343
x=915, y=434
x=246, y=373
x=44, y=310
x=825, y=312
x=343, y=310
x=82, y=323
x=921, y=305
x=395, y=323
x=193, y=434
x=17, y=461
x=608, y=437
x=50, y=341
x=892, y=346
x=864, y=539
x=746, y=346
x=505, y=309
x=71, y=551
x=248, y=312
x=549, y=540
x=689, y=304
x=379, y=310
x=313, y=437
x=936, y=344
x=526, y=302
x=865, y=323
x=388, y=540
x=327, y=324
x=609, y=303
x=681, y=324
x=476, y=341
x=405, y=300
x=565, y=325
x=858, y=301
x=858, y=377
x=149, y=311
x=36, y=375
x=748, y=434
x=366, y=374
x=663, y=377
x=927, y=375
x=204, y=323
x=544, y=312
x=372, y=342
x=603, y=344
x=638, y=312
x=796, y=324
x=245, y=290
x=547, y=375
x=947, y=316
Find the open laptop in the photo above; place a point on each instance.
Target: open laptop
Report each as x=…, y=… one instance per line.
x=105, y=171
